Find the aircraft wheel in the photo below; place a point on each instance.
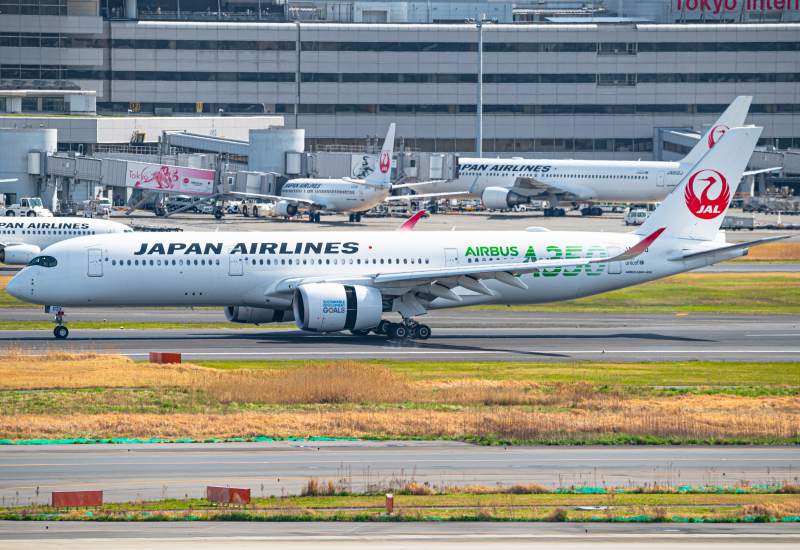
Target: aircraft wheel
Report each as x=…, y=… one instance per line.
x=398, y=332
x=352, y=217
x=316, y=217
x=218, y=214
x=311, y=217
x=361, y=332
x=383, y=327
x=60, y=332
x=358, y=217
x=423, y=332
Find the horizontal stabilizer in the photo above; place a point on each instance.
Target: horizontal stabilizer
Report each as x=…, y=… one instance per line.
x=715, y=251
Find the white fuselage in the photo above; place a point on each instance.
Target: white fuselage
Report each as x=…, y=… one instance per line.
x=585, y=180
x=42, y=233
x=335, y=195
x=218, y=269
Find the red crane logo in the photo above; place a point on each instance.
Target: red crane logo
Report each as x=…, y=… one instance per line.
x=705, y=207
x=716, y=133
x=385, y=161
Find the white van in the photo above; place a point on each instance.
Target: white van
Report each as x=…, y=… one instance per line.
x=635, y=217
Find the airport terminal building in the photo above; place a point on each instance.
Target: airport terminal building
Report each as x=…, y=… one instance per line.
x=575, y=90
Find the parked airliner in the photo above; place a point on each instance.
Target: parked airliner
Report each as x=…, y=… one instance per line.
x=505, y=183
x=329, y=282
x=22, y=239
x=342, y=195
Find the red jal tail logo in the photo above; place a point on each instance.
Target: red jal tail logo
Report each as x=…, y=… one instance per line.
x=385, y=161
x=705, y=207
x=716, y=133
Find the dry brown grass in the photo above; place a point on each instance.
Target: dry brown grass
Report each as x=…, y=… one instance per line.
x=775, y=252
x=771, y=509
x=505, y=409
x=509, y=422
x=23, y=370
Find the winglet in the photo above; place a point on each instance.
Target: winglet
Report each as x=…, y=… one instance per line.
x=409, y=224
x=636, y=250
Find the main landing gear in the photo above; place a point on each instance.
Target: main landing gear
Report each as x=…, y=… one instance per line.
x=399, y=332
x=313, y=216
x=554, y=212
x=61, y=331
x=355, y=217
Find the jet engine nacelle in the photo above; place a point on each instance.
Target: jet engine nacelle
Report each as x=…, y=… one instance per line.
x=328, y=307
x=497, y=198
x=254, y=315
x=285, y=208
x=19, y=254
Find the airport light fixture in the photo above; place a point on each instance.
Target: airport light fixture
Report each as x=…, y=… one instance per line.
x=479, y=22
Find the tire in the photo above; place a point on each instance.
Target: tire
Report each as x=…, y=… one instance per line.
x=31, y=214
x=358, y=218
x=352, y=218
x=383, y=327
x=61, y=332
x=423, y=332
x=316, y=217
x=218, y=214
x=398, y=332
x=245, y=213
x=311, y=217
x=255, y=211
x=362, y=332
x=10, y=214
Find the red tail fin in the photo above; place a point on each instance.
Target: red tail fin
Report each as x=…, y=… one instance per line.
x=409, y=224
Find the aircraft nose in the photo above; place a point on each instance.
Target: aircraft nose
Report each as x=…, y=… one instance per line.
x=14, y=287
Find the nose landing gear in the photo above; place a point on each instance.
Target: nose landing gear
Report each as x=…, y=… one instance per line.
x=60, y=331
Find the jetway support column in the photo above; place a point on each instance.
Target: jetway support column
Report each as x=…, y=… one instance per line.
x=131, y=9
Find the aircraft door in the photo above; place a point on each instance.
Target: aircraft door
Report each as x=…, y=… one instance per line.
x=95, y=262
x=361, y=192
x=614, y=268
x=235, y=264
x=450, y=257
x=660, y=179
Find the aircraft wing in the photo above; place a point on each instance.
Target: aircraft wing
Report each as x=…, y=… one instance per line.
x=419, y=183
x=441, y=280
x=754, y=172
x=277, y=198
x=531, y=187
x=425, y=196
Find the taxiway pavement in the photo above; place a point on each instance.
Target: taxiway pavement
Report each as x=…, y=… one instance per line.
x=417, y=536
x=469, y=335
x=127, y=472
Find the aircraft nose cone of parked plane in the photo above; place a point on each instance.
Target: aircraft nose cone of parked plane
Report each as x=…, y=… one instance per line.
x=14, y=287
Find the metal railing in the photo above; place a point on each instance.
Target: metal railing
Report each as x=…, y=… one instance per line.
x=210, y=16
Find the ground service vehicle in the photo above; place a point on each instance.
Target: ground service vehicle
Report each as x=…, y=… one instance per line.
x=28, y=207
x=635, y=217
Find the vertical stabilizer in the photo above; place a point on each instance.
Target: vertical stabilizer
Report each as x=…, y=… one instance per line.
x=697, y=205
x=383, y=165
x=733, y=117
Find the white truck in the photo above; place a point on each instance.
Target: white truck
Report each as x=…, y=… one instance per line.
x=29, y=206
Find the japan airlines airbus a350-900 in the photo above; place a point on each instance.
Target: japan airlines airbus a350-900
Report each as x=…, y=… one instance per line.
x=329, y=282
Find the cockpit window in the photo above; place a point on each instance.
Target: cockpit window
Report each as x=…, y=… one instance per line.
x=44, y=261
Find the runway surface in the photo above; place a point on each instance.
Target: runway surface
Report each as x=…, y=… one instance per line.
x=125, y=471
x=417, y=536
x=468, y=335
